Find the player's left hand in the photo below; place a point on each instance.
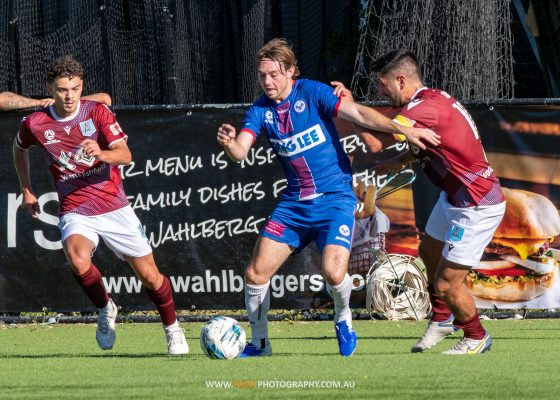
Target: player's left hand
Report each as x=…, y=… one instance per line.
x=418, y=135
x=342, y=91
x=92, y=149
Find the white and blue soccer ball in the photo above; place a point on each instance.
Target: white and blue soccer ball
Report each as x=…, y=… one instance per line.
x=222, y=338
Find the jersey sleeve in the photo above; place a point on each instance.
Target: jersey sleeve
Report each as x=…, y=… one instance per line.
x=253, y=121
x=24, y=137
x=106, y=123
x=420, y=113
x=326, y=100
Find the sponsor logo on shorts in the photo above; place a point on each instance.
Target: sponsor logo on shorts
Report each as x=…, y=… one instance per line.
x=457, y=233
x=300, y=142
x=142, y=233
x=343, y=239
x=274, y=228
x=344, y=230
x=299, y=106
x=450, y=246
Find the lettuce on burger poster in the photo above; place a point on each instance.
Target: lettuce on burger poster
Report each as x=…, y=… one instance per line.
x=519, y=267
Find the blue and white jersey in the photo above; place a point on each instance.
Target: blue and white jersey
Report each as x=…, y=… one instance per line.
x=303, y=135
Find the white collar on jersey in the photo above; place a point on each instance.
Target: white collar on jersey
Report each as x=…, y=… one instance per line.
x=68, y=118
x=418, y=91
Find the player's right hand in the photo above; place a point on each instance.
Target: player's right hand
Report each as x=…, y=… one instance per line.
x=342, y=91
x=46, y=102
x=226, y=134
x=417, y=135
x=31, y=205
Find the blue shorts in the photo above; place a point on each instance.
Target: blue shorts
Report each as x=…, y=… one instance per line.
x=327, y=219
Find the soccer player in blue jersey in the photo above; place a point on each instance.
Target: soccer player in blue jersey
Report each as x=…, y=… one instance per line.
x=318, y=203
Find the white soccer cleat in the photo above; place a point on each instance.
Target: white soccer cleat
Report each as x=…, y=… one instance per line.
x=435, y=333
x=105, y=334
x=176, y=341
x=471, y=346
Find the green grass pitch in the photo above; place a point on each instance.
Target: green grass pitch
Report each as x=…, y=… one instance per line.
x=63, y=362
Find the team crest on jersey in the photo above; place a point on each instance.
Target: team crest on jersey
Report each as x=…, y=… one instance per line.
x=300, y=142
x=268, y=117
x=299, y=106
x=87, y=127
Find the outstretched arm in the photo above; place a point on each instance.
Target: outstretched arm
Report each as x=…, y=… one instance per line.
x=372, y=119
x=369, y=118
x=235, y=146
x=12, y=101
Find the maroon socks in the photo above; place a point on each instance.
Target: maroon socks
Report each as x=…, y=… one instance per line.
x=440, y=311
x=163, y=300
x=472, y=328
x=92, y=284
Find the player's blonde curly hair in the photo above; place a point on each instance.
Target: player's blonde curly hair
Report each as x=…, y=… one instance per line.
x=280, y=51
x=64, y=67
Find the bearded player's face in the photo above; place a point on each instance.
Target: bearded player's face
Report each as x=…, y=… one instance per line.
x=66, y=93
x=275, y=81
x=391, y=87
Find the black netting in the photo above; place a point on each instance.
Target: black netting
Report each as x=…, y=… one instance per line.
x=464, y=47
x=7, y=66
x=203, y=51
x=168, y=51
x=38, y=52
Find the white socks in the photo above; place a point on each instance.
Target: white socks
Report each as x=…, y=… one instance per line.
x=341, y=298
x=174, y=325
x=257, y=302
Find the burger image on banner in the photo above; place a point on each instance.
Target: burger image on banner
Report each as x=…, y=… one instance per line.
x=518, y=264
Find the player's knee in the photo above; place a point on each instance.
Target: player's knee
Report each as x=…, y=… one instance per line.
x=442, y=288
x=335, y=277
x=150, y=278
x=79, y=260
x=254, y=277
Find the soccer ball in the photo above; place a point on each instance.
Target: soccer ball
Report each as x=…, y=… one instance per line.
x=222, y=338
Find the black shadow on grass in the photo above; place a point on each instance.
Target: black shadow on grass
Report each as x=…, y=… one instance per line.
x=334, y=337
x=81, y=355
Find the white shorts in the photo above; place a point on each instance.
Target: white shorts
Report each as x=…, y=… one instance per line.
x=121, y=231
x=465, y=231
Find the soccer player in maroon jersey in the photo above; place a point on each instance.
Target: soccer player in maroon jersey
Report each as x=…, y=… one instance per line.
x=470, y=207
x=84, y=145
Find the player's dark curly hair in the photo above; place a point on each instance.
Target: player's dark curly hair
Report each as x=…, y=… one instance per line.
x=64, y=67
x=279, y=50
x=397, y=59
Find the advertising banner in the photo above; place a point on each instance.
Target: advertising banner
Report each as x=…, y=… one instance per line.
x=202, y=212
